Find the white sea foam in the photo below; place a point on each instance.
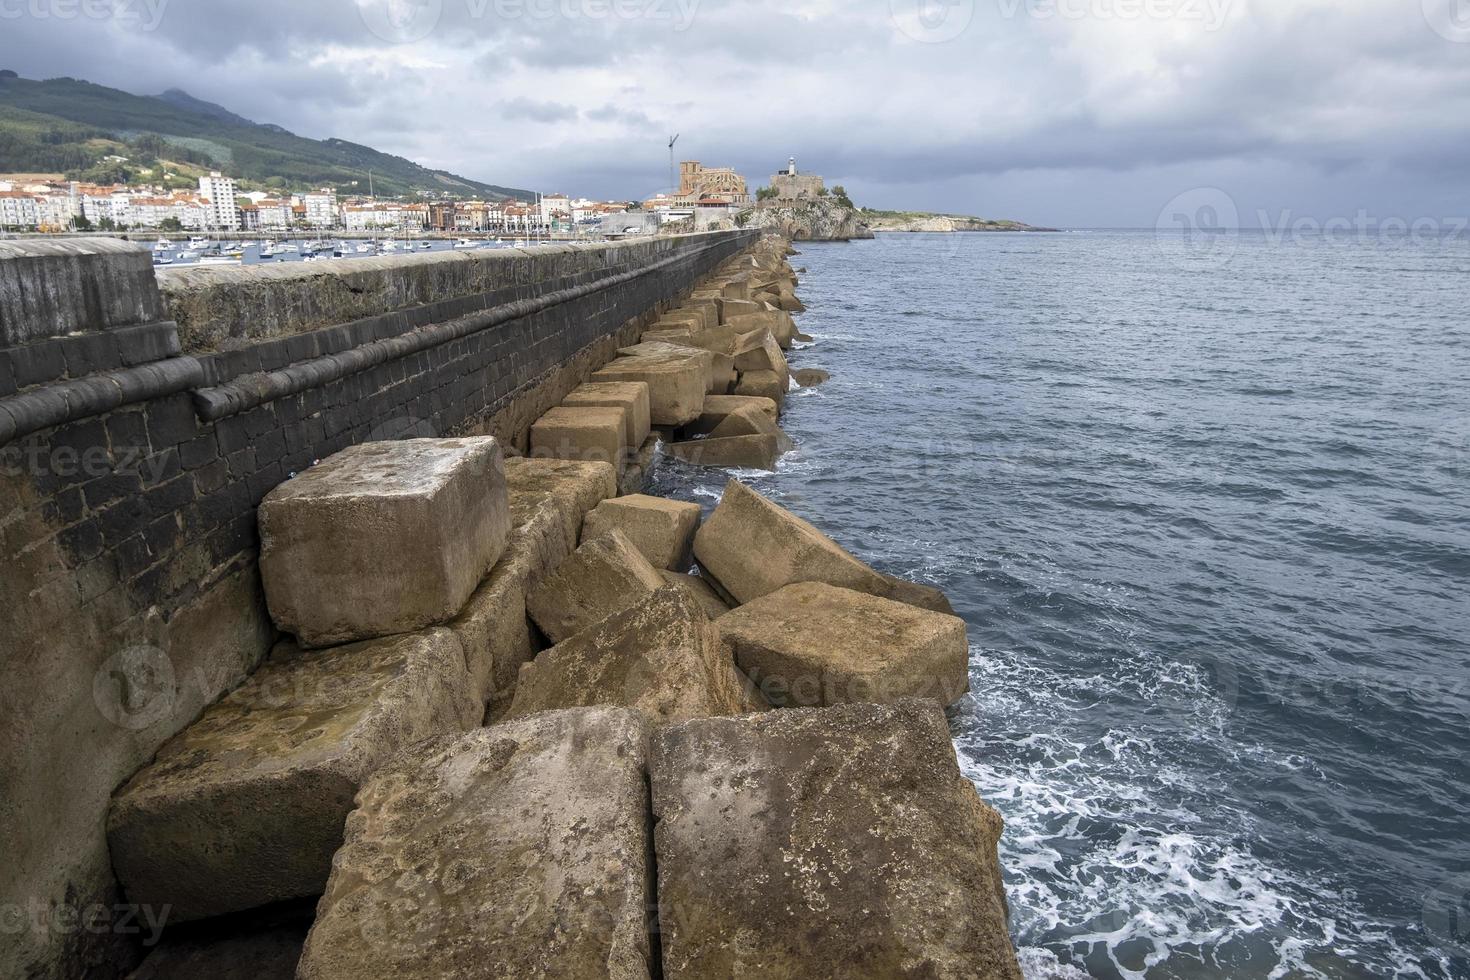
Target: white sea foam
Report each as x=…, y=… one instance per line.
x=1112, y=868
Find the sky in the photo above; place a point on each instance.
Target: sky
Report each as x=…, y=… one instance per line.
x=1070, y=113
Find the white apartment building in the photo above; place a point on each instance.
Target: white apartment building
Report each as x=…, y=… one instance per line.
x=151, y=212
x=321, y=208
x=221, y=211
x=385, y=216
x=18, y=210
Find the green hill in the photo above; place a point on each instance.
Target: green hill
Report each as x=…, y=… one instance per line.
x=65, y=125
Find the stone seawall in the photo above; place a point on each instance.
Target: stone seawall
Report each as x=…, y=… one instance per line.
x=140, y=429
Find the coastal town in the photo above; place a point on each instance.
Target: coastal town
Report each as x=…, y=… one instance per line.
x=705, y=197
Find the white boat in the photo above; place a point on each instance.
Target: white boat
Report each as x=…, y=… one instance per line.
x=426, y=245
x=390, y=246
x=162, y=244
x=187, y=255
x=218, y=260
x=466, y=243
x=198, y=242
x=161, y=259
x=288, y=247
x=366, y=248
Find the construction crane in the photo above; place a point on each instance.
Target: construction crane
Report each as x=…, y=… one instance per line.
x=673, y=187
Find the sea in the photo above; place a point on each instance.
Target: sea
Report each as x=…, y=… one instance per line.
x=1204, y=503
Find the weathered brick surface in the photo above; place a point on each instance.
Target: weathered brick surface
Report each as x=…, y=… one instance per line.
x=135, y=530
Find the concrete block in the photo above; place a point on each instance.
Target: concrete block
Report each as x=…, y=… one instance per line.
x=761, y=384
x=700, y=590
x=755, y=452
x=810, y=644
x=676, y=385
x=660, y=656
x=631, y=396
x=516, y=851
x=564, y=488
x=834, y=844
x=660, y=529
x=437, y=506
x=583, y=434
x=753, y=547
x=717, y=407
x=245, y=806
x=658, y=349
x=603, y=576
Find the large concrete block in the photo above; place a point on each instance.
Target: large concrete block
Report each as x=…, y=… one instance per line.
x=661, y=529
x=603, y=576
x=676, y=385
x=765, y=357
x=810, y=644
x=750, y=420
x=245, y=806
x=706, y=359
x=564, y=488
x=700, y=590
x=754, y=547
x=631, y=396
x=762, y=384
x=548, y=499
x=830, y=844
x=778, y=322
x=597, y=435
x=661, y=656
x=517, y=851
x=753, y=452
x=717, y=407
x=493, y=629
x=436, y=507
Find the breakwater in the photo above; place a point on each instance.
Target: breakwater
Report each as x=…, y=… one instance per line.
x=141, y=426
x=543, y=649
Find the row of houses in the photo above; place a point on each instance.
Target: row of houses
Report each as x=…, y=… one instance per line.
x=218, y=204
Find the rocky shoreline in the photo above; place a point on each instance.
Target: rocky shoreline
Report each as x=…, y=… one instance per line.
x=571, y=730
x=922, y=222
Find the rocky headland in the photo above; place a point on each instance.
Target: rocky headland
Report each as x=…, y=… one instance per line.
x=820, y=220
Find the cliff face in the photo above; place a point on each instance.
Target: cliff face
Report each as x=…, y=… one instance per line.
x=819, y=221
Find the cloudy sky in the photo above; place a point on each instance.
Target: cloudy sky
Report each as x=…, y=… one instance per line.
x=1082, y=113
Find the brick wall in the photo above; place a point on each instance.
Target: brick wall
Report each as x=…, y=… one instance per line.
x=130, y=599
